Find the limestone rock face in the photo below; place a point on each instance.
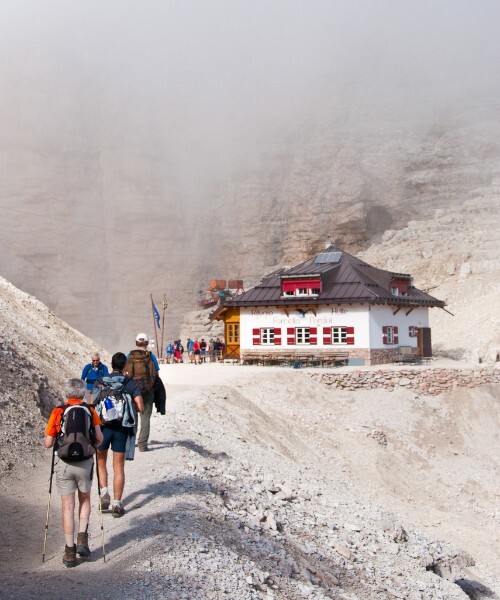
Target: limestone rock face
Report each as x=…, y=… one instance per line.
x=454, y=255
x=97, y=223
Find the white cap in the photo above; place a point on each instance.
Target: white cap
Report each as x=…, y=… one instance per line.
x=142, y=337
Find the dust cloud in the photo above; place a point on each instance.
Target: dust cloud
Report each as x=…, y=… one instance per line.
x=149, y=147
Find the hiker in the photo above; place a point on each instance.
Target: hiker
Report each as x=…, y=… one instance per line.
x=73, y=475
x=92, y=372
x=118, y=432
x=142, y=366
x=216, y=353
x=196, y=352
x=170, y=353
x=203, y=350
x=190, y=349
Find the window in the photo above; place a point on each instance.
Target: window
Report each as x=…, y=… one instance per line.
x=339, y=335
x=390, y=335
x=302, y=335
x=233, y=333
x=399, y=286
x=267, y=335
x=300, y=287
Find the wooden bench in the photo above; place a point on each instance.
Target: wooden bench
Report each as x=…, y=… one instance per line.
x=336, y=358
x=296, y=360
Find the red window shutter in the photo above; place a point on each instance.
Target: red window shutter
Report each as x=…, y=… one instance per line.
x=256, y=336
x=277, y=336
x=396, y=337
x=290, y=336
x=327, y=335
x=313, y=335
x=384, y=336
x=350, y=335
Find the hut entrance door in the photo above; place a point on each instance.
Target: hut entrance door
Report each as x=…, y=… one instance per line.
x=232, y=335
x=424, y=341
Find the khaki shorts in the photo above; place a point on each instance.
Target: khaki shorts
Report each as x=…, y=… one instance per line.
x=73, y=476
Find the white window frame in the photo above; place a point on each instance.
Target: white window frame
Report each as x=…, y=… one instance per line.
x=302, y=292
x=302, y=335
x=339, y=335
x=394, y=290
x=267, y=336
x=390, y=334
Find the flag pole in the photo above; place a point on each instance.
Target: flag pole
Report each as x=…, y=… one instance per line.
x=154, y=321
x=165, y=304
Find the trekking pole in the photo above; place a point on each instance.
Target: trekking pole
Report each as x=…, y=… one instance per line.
x=48, y=503
x=100, y=507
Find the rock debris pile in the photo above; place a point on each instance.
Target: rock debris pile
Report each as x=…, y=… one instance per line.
x=238, y=533
x=38, y=352
x=244, y=509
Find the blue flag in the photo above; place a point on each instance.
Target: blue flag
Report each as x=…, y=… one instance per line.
x=156, y=314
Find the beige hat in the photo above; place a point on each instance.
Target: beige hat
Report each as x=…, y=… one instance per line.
x=142, y=337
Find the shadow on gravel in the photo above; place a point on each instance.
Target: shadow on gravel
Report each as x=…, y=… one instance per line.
x=166, y=489
x=474, y=589
x=190, y=445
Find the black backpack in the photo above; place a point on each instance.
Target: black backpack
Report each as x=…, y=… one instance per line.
x=75, y=441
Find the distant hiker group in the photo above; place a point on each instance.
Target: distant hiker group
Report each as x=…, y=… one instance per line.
x=77, y=429
x=198, y=351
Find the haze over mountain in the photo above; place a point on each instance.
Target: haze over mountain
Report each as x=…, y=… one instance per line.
x=152, y=147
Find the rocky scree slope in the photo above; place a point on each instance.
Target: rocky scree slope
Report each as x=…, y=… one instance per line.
x=38, y=353
x=276, y=487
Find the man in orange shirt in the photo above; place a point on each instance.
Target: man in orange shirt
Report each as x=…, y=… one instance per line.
x=72, y=476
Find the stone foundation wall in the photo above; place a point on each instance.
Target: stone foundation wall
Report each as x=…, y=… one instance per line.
x=383, y=356
x=378, y=356
x=421, y=379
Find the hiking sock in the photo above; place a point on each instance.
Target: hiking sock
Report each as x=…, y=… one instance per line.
x=117, y=502
x=83, y=526
x=70, y=539
x=104, y=490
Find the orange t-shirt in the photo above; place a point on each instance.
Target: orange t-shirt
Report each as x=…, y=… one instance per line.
x=54, y=424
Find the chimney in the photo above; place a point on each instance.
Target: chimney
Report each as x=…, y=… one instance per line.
x=328, y=245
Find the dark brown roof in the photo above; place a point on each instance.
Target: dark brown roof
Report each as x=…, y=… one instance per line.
x=348, y=280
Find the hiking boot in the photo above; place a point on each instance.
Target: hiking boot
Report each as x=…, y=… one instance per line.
x=69, y=556
x=143, y=449
x=117, y=511
x=82, y=544
x=105, y=501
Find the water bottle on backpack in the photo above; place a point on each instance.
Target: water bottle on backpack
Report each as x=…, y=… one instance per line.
x=111, y=412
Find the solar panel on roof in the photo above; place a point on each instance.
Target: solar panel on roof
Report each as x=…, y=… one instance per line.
x=328, y=257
